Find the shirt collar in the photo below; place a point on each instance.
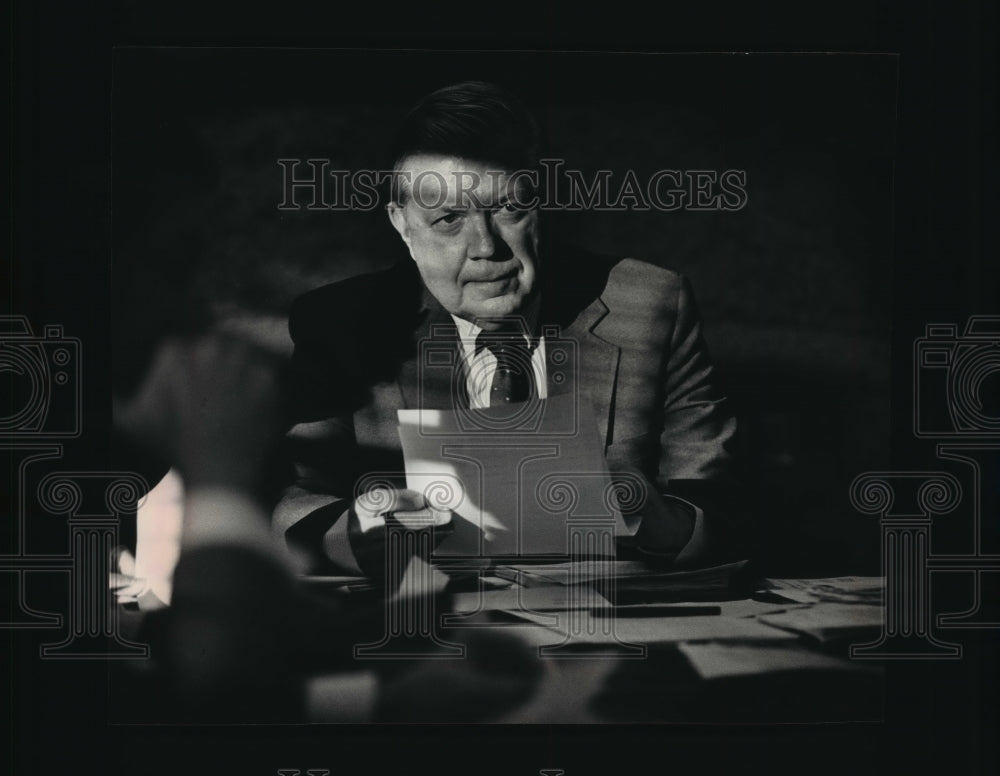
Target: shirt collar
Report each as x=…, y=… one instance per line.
x=468, y=331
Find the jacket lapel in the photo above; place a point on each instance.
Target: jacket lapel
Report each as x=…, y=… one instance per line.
x=591, y=368
x=432, y=377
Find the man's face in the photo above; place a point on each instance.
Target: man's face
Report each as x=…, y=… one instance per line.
x=474, y=241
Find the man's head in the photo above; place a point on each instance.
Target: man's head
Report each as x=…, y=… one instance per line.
x=464, y=199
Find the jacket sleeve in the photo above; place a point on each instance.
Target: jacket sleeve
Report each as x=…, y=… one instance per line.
x=675, y=426
x=696, y=443
x=310, y=519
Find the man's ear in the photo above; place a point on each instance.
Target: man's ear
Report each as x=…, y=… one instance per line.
x=398, y=220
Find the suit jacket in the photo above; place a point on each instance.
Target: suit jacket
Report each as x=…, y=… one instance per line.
x=641, y=362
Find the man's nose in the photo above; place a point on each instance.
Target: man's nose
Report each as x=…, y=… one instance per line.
x=482, y=238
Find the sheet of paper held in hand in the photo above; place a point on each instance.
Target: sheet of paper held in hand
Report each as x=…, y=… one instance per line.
x=513, y=479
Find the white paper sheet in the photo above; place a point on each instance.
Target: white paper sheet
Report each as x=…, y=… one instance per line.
x=513, y=493
x=830, y=621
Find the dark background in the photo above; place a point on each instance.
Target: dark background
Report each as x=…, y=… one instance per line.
x=942, y=242
x=794, y=288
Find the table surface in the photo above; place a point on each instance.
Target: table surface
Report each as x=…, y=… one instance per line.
x=778, y=654
x=775, y=652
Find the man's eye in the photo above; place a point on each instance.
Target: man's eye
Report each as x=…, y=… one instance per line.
x=510, y=211
x=448, y=218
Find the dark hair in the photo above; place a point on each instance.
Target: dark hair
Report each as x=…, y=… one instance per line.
x=473, y=120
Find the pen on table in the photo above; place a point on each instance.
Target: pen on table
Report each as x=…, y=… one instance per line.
x=654, y=610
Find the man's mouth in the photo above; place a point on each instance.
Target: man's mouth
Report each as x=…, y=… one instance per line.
x=511, y=273
x=495, y=286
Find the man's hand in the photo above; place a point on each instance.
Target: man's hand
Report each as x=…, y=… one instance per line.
x=372, y=511
x=666, y=526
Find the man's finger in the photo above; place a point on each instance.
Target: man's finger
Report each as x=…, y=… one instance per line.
x=422, y=518
x=384, y=501
x=408, y=500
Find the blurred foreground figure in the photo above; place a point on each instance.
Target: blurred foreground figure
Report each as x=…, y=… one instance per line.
x=241, y=639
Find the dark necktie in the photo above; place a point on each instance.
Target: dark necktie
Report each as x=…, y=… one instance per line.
x=513, y=380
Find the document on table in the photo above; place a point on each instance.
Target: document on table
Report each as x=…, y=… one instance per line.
x=716, y=660
x=830, y=621
x=528, y=599
x=514, y=490
x=586, y=628
x=631, y=576
x=845, y=590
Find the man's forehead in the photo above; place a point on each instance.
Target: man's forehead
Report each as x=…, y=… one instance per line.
x=448, y=181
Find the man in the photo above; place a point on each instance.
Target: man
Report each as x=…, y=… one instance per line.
x=465, y=203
